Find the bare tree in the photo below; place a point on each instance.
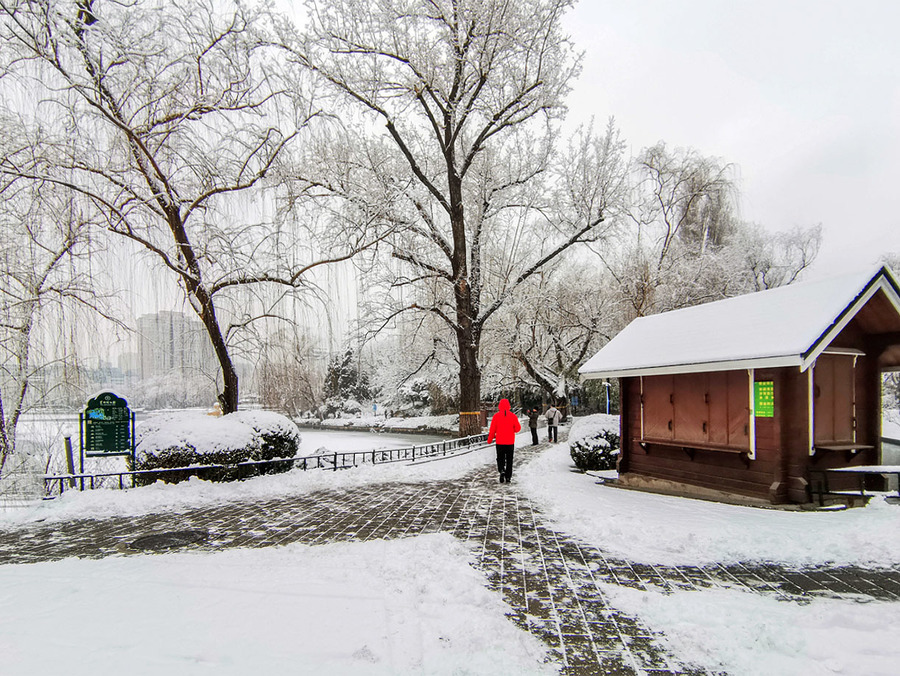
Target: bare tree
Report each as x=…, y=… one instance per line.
x=553, y=329
x=165, y=117
x=776, y=259
x=687, y=244
x=468, y=94
x=292, y=373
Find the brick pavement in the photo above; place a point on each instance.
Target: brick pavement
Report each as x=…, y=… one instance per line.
x=551, y=582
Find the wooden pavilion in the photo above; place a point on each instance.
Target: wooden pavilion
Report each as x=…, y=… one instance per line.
x=745, y=396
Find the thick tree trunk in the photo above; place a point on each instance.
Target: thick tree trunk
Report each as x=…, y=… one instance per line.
x=469, y=385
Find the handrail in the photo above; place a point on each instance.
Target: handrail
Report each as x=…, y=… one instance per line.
x=248, y=468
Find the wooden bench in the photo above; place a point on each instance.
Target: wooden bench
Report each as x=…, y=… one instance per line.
x=691, y=448
x=860, y=471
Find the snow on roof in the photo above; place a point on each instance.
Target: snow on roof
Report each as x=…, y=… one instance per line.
x=787, y=326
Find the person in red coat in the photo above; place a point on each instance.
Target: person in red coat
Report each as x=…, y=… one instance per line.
x=504, y=426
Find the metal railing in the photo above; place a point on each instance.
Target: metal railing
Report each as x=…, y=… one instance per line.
x=56, y=484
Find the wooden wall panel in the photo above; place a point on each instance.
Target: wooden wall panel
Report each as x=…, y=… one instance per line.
x=718, y=409
x=738, y=409
x=716, y=470
x=691, y=408
x=659, y=415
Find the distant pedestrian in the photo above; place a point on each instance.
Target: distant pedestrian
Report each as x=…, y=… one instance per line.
x=532, y=424
x=553, y=418
x=504, y=426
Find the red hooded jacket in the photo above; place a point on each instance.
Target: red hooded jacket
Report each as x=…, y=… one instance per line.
x=504, y=425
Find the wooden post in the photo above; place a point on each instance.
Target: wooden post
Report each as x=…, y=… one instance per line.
x=70, y=461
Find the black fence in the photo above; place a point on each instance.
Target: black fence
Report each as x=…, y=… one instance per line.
x=56, y=484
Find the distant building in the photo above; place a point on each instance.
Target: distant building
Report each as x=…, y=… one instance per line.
x=172, y=341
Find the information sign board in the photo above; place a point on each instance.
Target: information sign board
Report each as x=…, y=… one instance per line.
x=764, y=399
x=108, y=425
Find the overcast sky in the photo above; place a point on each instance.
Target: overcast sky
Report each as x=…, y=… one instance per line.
x=803, y=96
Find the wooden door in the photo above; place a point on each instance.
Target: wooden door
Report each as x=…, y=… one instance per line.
x=833, y=377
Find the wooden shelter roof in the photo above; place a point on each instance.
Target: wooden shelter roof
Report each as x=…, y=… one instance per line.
x=786, y=326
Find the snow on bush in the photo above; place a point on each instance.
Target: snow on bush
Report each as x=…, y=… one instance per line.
x=594, y=442
x=187, y=439
x=280, y=437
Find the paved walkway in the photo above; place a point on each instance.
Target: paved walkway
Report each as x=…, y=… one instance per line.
x=550, y=580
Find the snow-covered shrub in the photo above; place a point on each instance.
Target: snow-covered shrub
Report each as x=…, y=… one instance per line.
x=279, y=436
x=187, y=439
x=594, y=442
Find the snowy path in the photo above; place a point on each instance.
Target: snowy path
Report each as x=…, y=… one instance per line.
x=556, y=586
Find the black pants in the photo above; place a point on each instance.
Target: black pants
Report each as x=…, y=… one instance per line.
x=552, y=433
x=534, y=439
x=505, y=459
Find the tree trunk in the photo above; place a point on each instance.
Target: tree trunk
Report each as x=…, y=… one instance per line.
x=202, y=302
x=228, y=397
x=4, y=442
x=469, y=385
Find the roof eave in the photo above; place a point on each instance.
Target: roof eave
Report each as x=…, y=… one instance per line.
x=706, y=367
x=884, y=281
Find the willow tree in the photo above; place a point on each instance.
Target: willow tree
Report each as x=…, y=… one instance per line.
x=167, y=118
x=44, y=242
x=459, y=101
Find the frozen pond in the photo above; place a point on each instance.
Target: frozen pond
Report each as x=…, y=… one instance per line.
x=340, y=440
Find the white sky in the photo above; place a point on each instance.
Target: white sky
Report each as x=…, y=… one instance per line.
x=803, y=96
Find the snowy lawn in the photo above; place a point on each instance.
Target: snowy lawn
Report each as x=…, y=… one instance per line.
x=661, y=529
x=399, y=607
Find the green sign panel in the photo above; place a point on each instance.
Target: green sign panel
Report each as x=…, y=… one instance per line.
x=764, y=399
x=107, y=425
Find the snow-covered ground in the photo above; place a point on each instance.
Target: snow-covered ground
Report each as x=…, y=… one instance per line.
x=414, y=606
x=670, y=530
x=740, y=633
x=745, y=634
x=411, y=606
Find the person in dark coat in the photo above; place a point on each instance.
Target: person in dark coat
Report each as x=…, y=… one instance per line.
x=533, y=424
x=504, y=426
